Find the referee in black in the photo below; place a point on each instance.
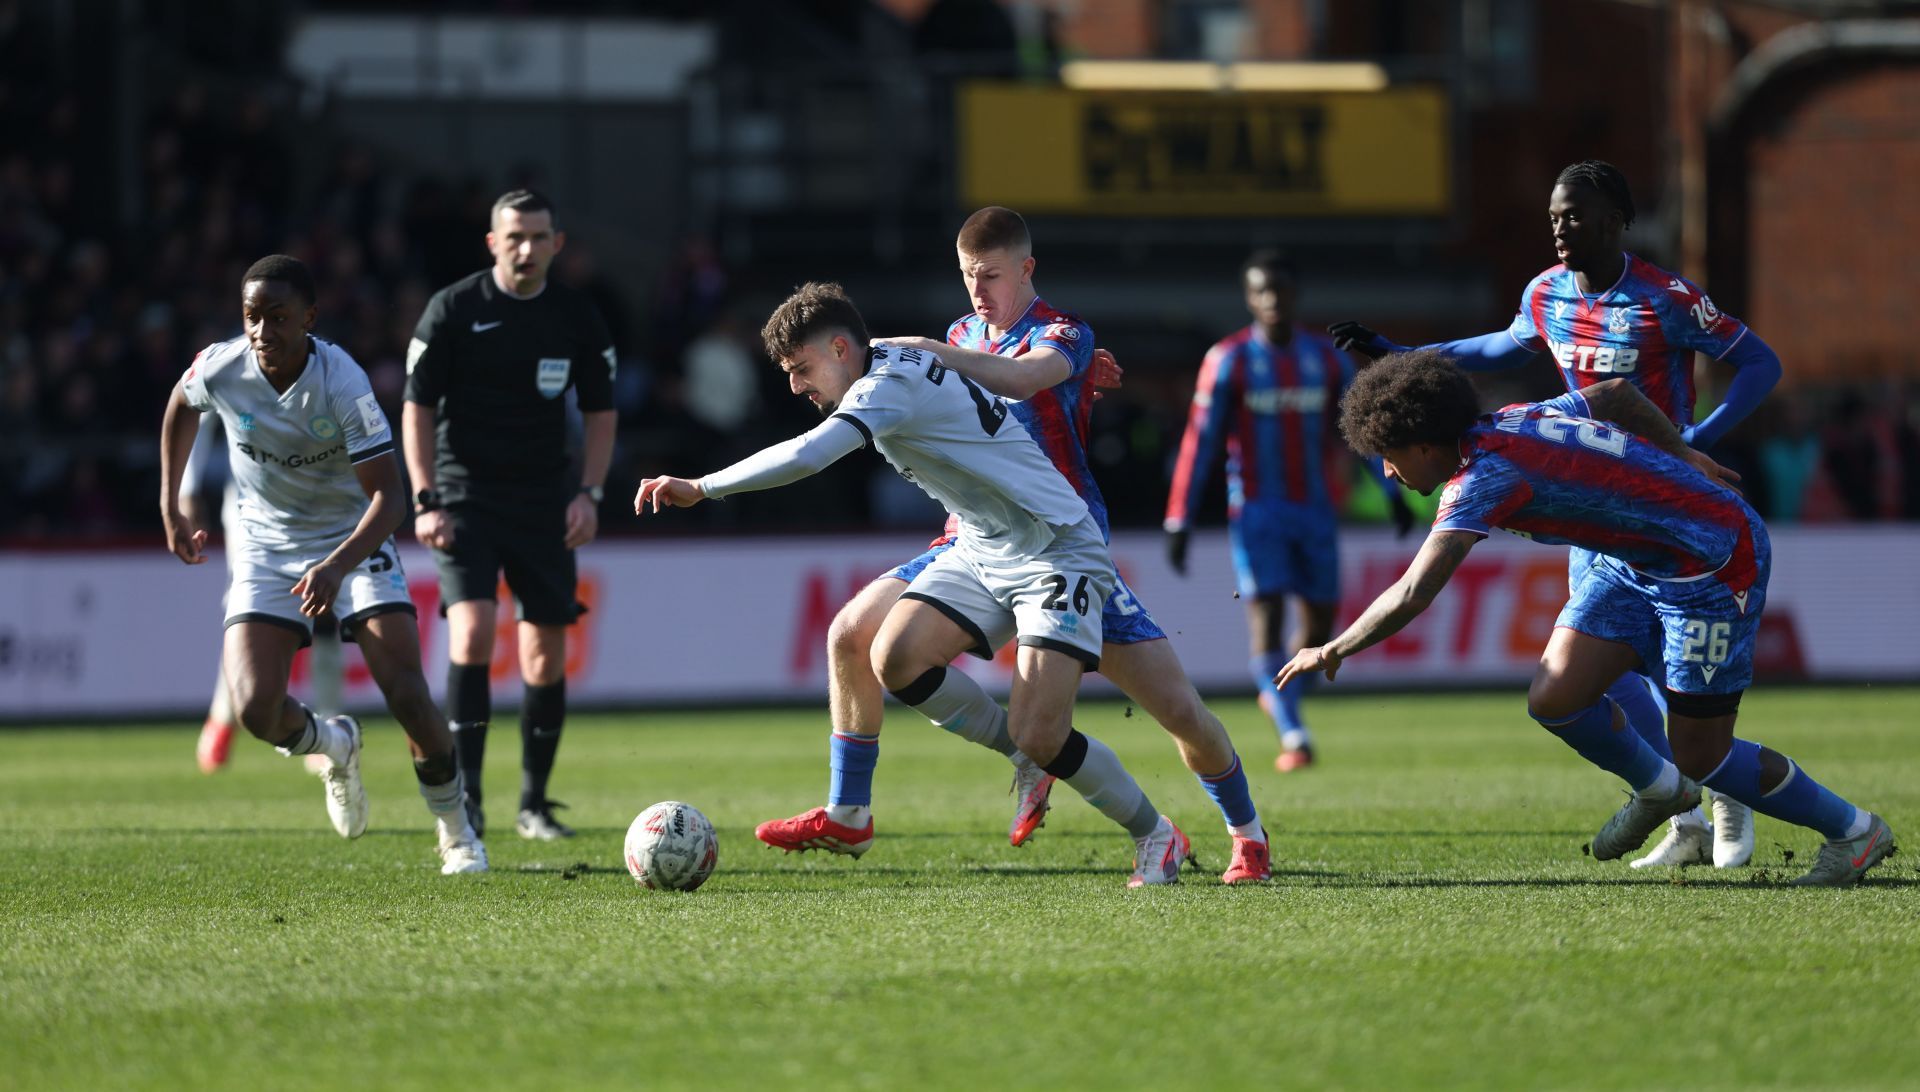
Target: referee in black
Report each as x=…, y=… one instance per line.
x=485, y=428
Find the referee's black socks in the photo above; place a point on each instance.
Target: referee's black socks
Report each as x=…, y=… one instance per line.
x=542, y=715
x=469, y=707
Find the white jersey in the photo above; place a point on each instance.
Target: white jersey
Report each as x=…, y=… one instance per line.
x=957, y=443
x=291, y=454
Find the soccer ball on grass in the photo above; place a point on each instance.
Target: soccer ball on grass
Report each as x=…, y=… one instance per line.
x=671, y=847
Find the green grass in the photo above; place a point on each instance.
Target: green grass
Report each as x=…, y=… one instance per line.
x=1433, y=922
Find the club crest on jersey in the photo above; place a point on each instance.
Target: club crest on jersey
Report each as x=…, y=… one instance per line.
x=550, y=377
x=1618, y=322
x=323, y=427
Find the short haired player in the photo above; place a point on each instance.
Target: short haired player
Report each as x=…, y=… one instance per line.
x=1029, y=561
x=319, y=499
x=1016, y=345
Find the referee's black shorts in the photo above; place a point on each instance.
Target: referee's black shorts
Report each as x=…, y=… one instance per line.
x=528, y=543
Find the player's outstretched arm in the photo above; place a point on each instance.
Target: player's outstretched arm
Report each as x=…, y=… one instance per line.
x=1390, y=613
x=1016, y=377
x=784, y=463
x=177, y=431
x=1619, y=402
x=379, y=479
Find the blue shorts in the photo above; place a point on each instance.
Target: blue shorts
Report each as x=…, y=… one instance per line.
x=1579, y=560
x=1123, y=622
x=1286, y=553
x=1695, y=636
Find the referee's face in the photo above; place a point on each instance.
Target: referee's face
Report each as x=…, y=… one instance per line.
x=523, y=246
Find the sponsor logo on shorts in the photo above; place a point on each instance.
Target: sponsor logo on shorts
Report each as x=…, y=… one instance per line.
x=1707, y=670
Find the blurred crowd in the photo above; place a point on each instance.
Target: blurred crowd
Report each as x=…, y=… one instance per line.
x=120, y=258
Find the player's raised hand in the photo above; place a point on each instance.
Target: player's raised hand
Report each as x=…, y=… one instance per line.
x=664, y=491
x=318, y=589
x=1353, y=337
x=1104, y=374
x=1306, y=662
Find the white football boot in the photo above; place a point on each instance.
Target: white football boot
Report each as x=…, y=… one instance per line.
x=1732, y=832
x=346, y=797
x=1157, y=857
x=460, y=849
x=1688, y=842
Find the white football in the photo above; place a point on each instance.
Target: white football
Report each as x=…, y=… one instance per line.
x=671, y=847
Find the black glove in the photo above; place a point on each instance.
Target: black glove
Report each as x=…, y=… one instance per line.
x=1177, y=551
x=1402, y=515
x=1352, y=337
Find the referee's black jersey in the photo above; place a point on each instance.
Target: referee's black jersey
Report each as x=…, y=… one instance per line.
x=495, y=369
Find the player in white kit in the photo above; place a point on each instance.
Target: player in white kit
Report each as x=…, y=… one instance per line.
x=319, y=497
x=1029, y=561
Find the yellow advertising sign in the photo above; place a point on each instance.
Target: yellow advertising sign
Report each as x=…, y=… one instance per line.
x=1176, y=153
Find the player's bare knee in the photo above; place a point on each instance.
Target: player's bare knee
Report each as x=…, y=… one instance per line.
x=898, y=663
x=259, y=708
x=851, y=636
x=1549, y=698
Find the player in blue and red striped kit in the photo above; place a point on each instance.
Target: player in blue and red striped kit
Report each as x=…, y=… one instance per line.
x=1606, y=314
x=1676, y=587
x=1268, y=394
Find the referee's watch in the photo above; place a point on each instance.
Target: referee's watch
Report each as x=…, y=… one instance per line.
x=595, y=493
x=427, y=500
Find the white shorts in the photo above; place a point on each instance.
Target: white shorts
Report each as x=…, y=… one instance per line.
x=1051, y=600
x=261, y=579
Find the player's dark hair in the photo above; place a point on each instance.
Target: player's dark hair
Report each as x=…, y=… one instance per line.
x=1403, y=399
x=1269, y=261
x=523, y=201
x=814, y=308
x=994, y=228
x=1605, y=178
x=288, y=270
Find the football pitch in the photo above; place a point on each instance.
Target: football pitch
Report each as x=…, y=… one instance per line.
x=1432, y=922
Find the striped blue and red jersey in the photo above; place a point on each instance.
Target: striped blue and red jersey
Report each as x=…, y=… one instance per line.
x=1274, y=407
x=1545, y=471
x=1645, y=329
x=1056, y=417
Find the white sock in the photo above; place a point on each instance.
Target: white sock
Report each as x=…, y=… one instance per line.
x=453, y=827
x=1862, y=819
x=1295, y=738
x=852, y=815
x=1665, y=784
x=1251, y=830
x=960, y=706
x=320, y=737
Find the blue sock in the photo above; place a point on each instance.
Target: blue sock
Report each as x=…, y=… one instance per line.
x=1799, y=799
x=1623, y=753
x=1229, y=792
x=1646, y=714
x=853, y=760
x=1286, y=703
